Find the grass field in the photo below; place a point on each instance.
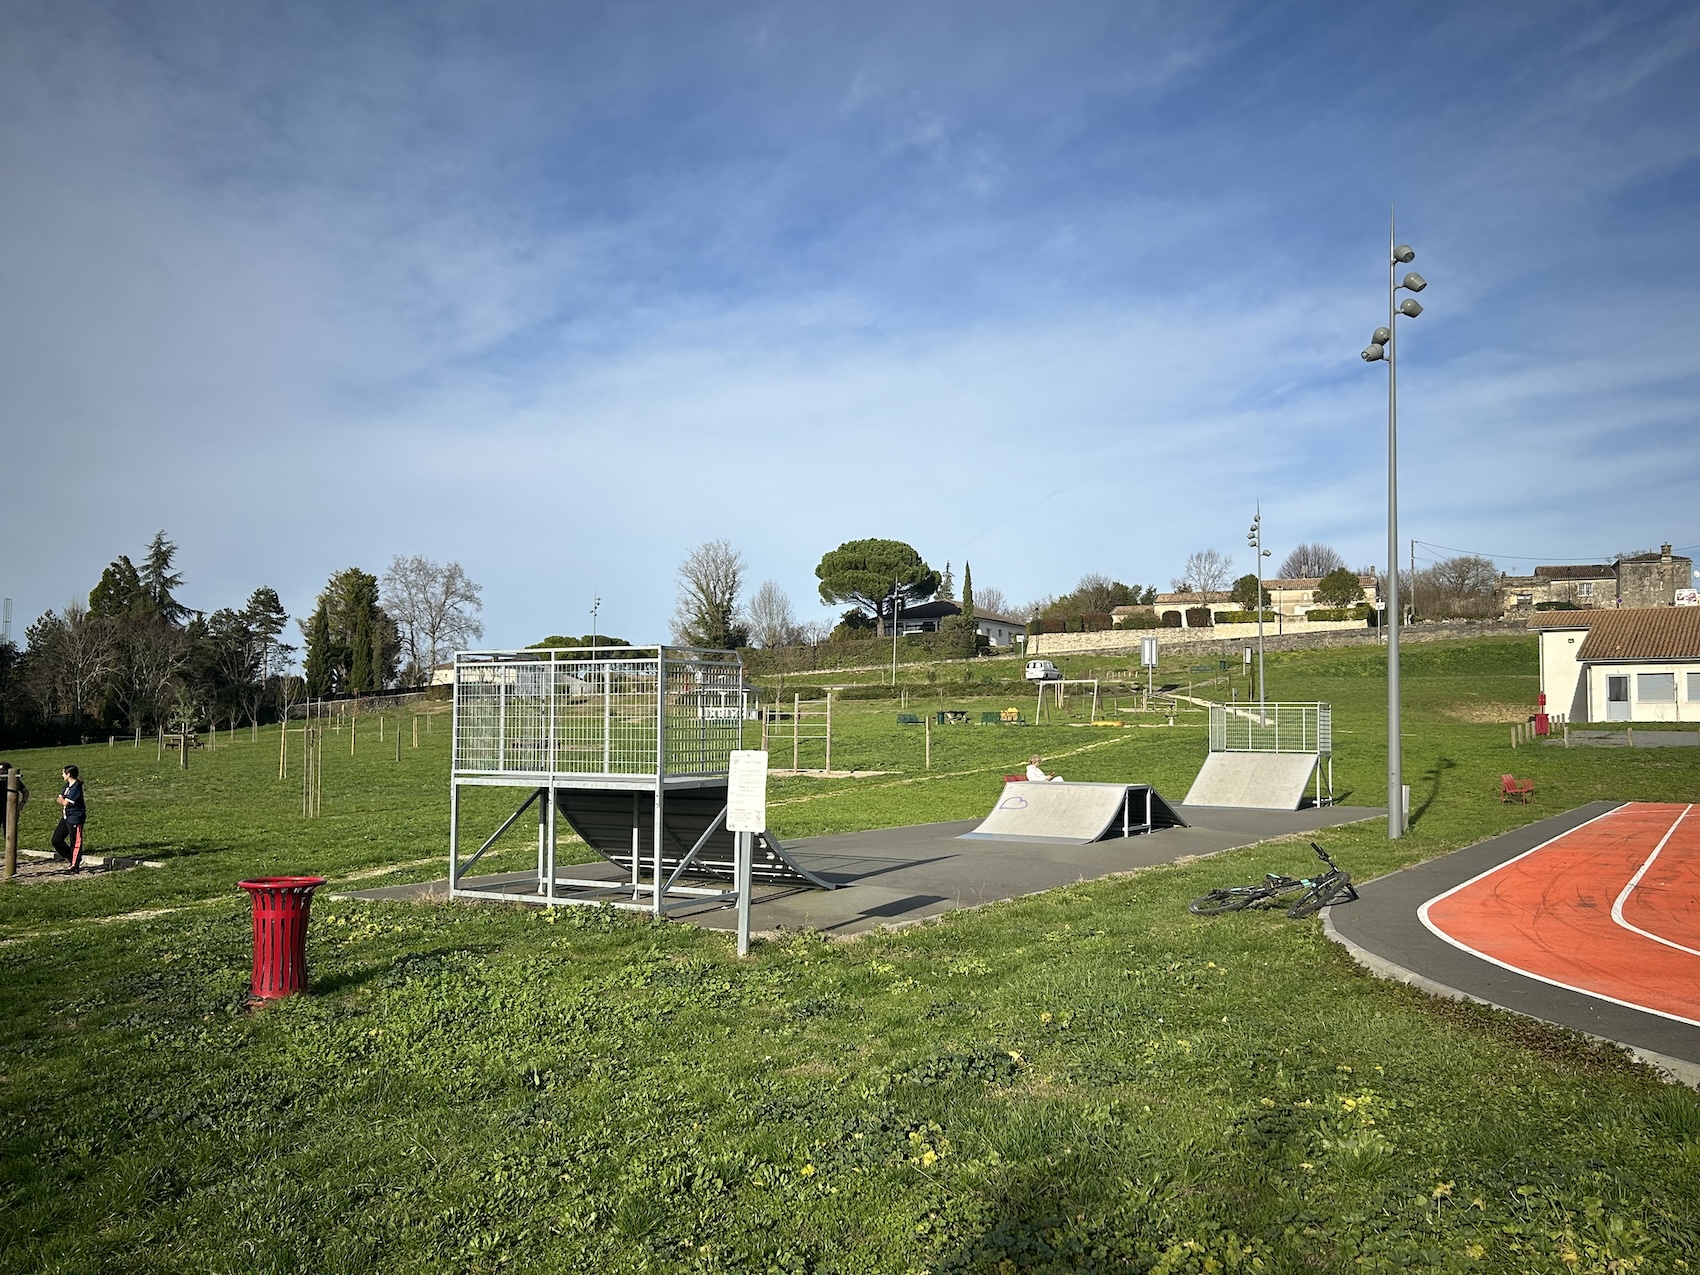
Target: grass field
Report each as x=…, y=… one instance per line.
x=1087, y=1080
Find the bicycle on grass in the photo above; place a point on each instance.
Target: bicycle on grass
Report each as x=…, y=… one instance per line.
x=1275, y=890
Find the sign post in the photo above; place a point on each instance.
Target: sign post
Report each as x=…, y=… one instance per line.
x=1148, y=657
x=746, y=816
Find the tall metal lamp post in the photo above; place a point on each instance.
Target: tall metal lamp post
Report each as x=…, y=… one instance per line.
x=1383, y=347
x=1254, y=538
x=594, y=608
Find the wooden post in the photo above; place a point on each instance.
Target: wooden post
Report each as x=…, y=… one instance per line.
x=353, y=723
x=160, y=753
x=183, y=749
x=12, y=785
x=380, y=728
x=796, y=711
x=829, y=732
x=398, y=745
x=416, y=730
x=929, y=724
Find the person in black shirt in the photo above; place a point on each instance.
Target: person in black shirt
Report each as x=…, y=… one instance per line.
x=68, y=836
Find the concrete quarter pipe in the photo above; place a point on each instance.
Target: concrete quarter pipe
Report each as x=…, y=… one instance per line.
x=1257, y=781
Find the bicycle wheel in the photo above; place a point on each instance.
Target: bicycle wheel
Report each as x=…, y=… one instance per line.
x=1330, y=889
x=1230, y=900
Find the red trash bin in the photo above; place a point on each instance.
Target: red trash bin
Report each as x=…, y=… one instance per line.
x=281, y=907
x=1543, y=724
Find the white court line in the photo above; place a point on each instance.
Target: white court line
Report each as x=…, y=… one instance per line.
x=1443, y=936
x=1617, y=908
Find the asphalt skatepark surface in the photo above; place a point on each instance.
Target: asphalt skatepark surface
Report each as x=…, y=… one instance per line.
x=898, y=876
x=1547, y=917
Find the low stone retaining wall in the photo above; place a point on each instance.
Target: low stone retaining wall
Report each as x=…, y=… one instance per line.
x=1324, y=633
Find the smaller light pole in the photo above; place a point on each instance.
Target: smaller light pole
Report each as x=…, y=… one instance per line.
x=1254, y=538
x=594, y=608
x=896, y=605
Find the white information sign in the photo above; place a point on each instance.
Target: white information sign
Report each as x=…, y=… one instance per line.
x=1148, y=652
x=746, y=791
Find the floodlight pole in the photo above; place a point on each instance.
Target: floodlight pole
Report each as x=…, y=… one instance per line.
x=1395, y=761
x=594, y=608
x=1259, y=553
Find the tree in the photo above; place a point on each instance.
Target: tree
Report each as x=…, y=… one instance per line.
x=1340, y=588
x=148, y=655
x=1463, y=586
x=1208, y=571
x=159, y=580
x=355, y=628
x=967, y=589
x=1310, y=562
x=120, y=593
x=771, y=621
x=707, y=613
x=436, y=606
x=947, y=584
x=989, y=600
x=869, y=572
x=1245, y=592
x=321, y=659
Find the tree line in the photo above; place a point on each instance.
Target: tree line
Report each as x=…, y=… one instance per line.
x=135, y=658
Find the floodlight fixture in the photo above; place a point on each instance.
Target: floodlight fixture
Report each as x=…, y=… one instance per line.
x=1381, y=336
x=1410, y=307
x=1413, y=282
x=1404, y=254
x=1374, y=353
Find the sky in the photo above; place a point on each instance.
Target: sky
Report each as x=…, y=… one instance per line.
x=560, y=291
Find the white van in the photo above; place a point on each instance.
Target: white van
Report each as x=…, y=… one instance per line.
x=1043, y=671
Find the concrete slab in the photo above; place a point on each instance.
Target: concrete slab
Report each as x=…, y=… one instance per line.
x=898, y=876
x=1260, y=781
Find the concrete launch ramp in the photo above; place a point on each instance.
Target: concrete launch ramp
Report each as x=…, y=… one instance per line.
x=1074, y=814
x=1257, y=781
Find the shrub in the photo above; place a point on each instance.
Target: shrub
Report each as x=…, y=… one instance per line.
x=1243, y=617
x=1171, y=619
x=1363, y=611
x=1198, y=618
x=1053, y=626
x=1146, y=619
x=1556, y=606
x=1095, y=622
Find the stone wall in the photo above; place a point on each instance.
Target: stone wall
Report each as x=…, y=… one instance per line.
x=1219, y=641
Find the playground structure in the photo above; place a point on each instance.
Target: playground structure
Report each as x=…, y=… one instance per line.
x=1059, y=694
x=631, y=747
x=1264, y=756
x=811, y=723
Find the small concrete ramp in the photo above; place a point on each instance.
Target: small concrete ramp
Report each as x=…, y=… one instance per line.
x=1074, y=814
x=1256, y=781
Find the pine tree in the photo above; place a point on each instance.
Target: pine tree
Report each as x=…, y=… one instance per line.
x=968, y=590
x=158, y=579
x=318, y=664
x=947, y=585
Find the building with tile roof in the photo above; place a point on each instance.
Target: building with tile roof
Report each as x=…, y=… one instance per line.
x=1631, y=664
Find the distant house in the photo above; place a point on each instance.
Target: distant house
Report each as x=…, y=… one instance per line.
x=1643, y=580
x=1634, y=664
x=925, y=617
x=1289, y=600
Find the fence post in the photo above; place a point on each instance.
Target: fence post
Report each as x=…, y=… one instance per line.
x=12, y=782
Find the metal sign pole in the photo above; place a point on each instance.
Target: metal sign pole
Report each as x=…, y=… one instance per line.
x=746, y=850
x=746, y=815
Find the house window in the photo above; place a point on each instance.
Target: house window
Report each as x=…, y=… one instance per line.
x=1655, y=688
x=1694, y=688
x=1585, y=589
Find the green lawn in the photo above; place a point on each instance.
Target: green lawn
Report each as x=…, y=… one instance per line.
x=1087, y=1080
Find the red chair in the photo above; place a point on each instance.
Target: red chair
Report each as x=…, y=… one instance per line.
x=1015, y=779
x=1511, y=787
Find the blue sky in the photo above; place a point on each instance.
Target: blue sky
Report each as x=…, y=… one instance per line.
x=562, y=290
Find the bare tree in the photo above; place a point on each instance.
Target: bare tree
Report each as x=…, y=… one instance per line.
x=1208, y=571
x=1310, y=561
x=707, y=613
x=435, y=605
x=771, y=621
x=989, y=600
x=1465, y=586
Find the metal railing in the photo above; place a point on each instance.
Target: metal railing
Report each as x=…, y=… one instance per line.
x=1272, y=728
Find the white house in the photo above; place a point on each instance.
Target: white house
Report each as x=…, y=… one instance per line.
x=925, y=617
x=1638, y=664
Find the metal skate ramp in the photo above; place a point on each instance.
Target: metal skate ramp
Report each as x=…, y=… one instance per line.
x=1253, y=781
x=1074, y=814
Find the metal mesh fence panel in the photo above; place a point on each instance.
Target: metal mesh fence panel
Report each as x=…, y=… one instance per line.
x=598, y=711
x=1271, y=728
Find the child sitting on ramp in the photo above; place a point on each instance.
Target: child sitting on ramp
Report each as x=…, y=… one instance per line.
x=1037, y=776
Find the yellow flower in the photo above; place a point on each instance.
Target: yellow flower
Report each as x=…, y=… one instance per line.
x=1442, y=1190
x=808, y=1170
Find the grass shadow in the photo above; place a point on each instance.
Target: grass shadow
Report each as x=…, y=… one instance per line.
x=1432, y=778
